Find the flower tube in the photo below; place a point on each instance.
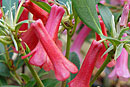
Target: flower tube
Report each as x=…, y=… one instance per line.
x=37, y=12
x=83, y=77
x=78, y=42
x=62, y=66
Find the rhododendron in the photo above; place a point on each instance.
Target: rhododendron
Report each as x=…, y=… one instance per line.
x=60, y=63
x=83, y=77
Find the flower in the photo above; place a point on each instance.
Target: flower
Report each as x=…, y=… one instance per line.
x=78, y=42
x=37, y=12
x=62, y=66
x=83, y=77
x=121, y=68
x=24, y=16
x=39, y=56
x=124, y=16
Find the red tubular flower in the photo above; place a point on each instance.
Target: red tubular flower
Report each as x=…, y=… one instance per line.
x=1, y=14
x=24, y=16
x=100, y=60
x=62, y=66
x=83, y=77
x=29, y=38
x=78, y=42
x=52, y=26
x=38, y=12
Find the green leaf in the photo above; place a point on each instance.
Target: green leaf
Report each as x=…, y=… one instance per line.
x=2, y=81
x=106, y=16
x=50, y=82
x=75, y=60
x=30, y=84
x=10, y=8
x=2, y=52
x=25, y=77
x=127, y=47
x=43, y=5
x=4, y=71
x=129, y=61
x=116, y=16
x=42, y=72
x=86, y=10
x=118, y=51
x=108, y=50
x=122, y=32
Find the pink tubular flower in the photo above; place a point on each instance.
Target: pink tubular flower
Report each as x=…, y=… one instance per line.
x=83, y=77
x=24, y=16
x=62, y=66
x=124, y=16
x=40, y=58
x=78, y=42
x=1, y=14
x=37, y=12
x=115, y=2
x=121, y=68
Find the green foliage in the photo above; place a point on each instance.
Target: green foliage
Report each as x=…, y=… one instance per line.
x=118, y=51
x=42, y=72
x=75, y=60
x=43, y=5
x=4, y=71
x=2, y=81
x=86, y=10
x=106, y=16
x=50, y=82
x=25, y=77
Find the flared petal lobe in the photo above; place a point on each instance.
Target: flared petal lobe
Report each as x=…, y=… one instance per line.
x=62, y=66
x=121, y=70
x=83, y=77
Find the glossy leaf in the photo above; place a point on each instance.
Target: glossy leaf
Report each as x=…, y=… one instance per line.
x=43, y=5
x=122, y=32
x=118, y=51
x=86, y=10
x=106, y=16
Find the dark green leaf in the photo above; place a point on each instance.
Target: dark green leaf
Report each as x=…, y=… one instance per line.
x=106, y=15
x=118, y=51
x=50, y=82
x=2, y=52
x=4, y=71
x=129, y=62
x=2, y=81
x=25, y=77
x=43, y=5
x=75, y=60
x=86, y=10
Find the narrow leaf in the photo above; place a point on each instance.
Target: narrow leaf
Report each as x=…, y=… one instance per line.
x=4, y=71
x=25, y=77
x=50, y=82
x=122, y=32
x=118, y=51
x=108, y=50
x=86, y=10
